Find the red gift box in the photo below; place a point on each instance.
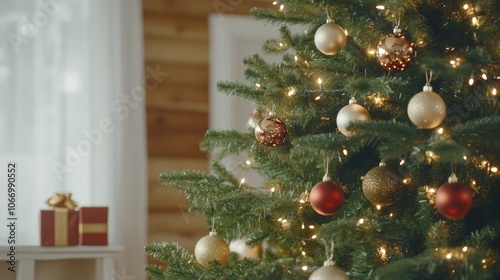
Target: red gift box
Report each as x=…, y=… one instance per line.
x=93, y=226
x=59, y=227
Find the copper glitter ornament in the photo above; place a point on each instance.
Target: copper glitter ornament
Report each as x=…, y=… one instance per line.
x=330, y=38
x=381, y=186
x=211, y=248
x=426, y=109
x=395, y=52
x=270, y=131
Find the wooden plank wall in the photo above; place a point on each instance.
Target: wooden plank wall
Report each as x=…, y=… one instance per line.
x=176, y=41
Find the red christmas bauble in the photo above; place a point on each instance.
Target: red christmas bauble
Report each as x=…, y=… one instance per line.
x=326, y=198
x=453, y=200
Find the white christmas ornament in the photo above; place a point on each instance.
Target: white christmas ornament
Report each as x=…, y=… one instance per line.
x=239, y=246
x=351, y=113
x=329, y=272
x=427, y=109
x=330, y=38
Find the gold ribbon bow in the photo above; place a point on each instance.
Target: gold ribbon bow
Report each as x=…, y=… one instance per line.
x=62, y=200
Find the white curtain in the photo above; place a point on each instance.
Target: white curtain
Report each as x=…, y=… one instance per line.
x=72, y=114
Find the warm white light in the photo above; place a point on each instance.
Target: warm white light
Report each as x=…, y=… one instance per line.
x=440, y=130
x=303, y=226
x=344, y=152
x=303, y=253
x=464, y=249
x=257, y=85
x=281, y=45
x=302, y=201
x=248, y=162
x=391, y=215
x=304, y=268
x=474, y=21
x=448, y=256
x=484, y=77
x=473, y=182
x=273, y=189
x=284, y=221
x=465, y=157
x=291, y=92
x=380, y=7
x=320, y=81
x=361, y=221
x=494, y=91
x=471, y=81
x=275, y=2
x=295, y=58
x=379, y=207
x=314, y=236
x=317, y=97
x=242, y=181
x=372, y=51
x=494, y=169
x=402, y=162
x=311, y=227
x=280, y=219
x=483, y=261
x=466, y=6
x=282, y=7
x=432, y=190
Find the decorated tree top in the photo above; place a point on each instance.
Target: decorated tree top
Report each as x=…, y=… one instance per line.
x=389, y=99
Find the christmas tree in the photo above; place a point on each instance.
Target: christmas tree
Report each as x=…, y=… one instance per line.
x=377, y=138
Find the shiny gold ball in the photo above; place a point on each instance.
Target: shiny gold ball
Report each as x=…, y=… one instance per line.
x=211, y=248
x=330, y=38
x=270, y=131
x=427, y=109
x=351, y=113
x=329, y=273
x=381, y=186
x=395, y=52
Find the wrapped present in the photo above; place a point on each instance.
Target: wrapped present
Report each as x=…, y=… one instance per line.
x=59, y=227
x=93, y=226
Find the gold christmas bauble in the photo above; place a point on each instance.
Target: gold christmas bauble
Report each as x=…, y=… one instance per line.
x=328, y=272
x=395, y=52
x=381, y=186
x=426, y=109
x=351, y=113
x=330, y=38
x=211, y=248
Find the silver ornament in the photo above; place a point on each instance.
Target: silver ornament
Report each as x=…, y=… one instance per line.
x=427, y=109
x=328, y=272
x=330, y=38
x=351, y=113
x=211, y=248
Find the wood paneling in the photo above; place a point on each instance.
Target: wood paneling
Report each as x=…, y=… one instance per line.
x=176, y=41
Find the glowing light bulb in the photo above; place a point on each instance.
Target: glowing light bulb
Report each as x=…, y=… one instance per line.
x=317, y=97
x=273, y=189
x=494, y=169
x=314, y=236
x=303, y=253
x=484, y=76
x=494, y=91
x=402, y=162
x=380, y=7
x=448, y=256
x=242, y=181
x=379, y=207
x=440, y=130
x=257, y=85
x=248, y=162
x=471, y=81
x=465, y=6
x=282, y=7
x=474, y=21
x=311, y=227
x=320, y=81
x=464, y=249
x=344, y=152
x=292, y=92
x=304, y=268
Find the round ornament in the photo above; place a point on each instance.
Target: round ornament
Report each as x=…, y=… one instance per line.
x=270, y=131
x=240, y=246
x=211, y=248
x=395, y=52
x=453, y=199
x=426, y=109
x=351, y=113
x=381, y=186
x=328, y=272
x=330, y=38
x=326, y=198
x=254, y=118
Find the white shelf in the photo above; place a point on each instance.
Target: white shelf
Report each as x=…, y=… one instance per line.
x=26, y=256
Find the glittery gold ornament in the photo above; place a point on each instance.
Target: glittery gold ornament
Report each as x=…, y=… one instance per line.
x=426, y=109
x=381, y=186
x=395, y=52
x=329, y=272
x=270, y=131
x=211, y=248
x=330, y=38
x=351, y=113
